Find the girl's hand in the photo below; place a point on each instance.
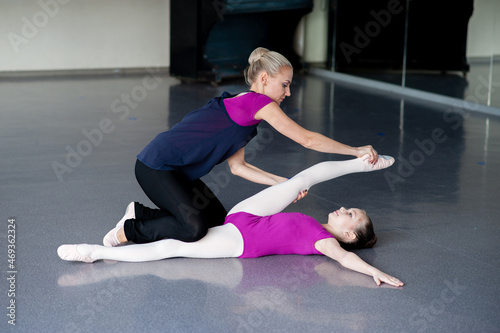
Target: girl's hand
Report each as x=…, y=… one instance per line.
x=301, y=195
x=380, y=277
x=361, y=151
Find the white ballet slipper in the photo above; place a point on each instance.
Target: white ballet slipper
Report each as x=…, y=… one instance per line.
x=70, y=252
x=383, y=162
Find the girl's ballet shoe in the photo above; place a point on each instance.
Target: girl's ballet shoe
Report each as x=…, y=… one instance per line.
x=383, y=162
x=70, y=253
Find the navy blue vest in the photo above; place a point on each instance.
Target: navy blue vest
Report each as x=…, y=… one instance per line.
x=203, y=139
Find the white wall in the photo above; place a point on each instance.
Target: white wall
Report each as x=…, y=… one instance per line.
x=84, y=34
x=484, y=29
x=37, y=35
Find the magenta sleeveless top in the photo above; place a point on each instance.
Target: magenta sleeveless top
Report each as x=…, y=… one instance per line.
x=282, y=233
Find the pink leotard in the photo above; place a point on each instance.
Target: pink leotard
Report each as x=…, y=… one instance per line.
x=242, y=109
x=282, y=233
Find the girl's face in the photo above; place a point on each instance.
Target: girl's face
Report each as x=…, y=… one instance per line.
x=278, y=87
x=345, y=220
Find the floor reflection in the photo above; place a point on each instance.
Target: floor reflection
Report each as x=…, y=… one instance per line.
x=257, y=287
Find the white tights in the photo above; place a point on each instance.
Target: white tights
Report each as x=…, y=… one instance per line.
x=226, y=240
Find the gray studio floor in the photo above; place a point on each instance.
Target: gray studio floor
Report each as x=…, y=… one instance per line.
x=68, y=150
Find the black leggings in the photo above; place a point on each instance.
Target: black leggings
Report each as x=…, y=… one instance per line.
x=186, y=208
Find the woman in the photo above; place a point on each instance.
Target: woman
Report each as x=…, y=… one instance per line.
x=256, y=227
x=170, y=167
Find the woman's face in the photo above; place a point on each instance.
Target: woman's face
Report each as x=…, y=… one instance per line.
x=347, y=220
x=278, y=87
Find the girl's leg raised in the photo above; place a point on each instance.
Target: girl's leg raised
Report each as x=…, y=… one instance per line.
x=274, y=199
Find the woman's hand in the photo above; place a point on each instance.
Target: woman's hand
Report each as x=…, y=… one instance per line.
x=361, y=151
x=380, y=277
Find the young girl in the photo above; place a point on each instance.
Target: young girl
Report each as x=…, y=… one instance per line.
x=257, y=227
x=169, y=168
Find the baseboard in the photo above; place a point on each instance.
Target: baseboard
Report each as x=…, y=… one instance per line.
x=82, y=72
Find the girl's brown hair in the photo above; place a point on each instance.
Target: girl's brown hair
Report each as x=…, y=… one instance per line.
x=365, y=237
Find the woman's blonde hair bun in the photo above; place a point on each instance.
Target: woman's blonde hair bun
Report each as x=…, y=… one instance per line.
x=263, y=60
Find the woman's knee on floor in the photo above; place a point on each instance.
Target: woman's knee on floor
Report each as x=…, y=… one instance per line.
x=195, y=233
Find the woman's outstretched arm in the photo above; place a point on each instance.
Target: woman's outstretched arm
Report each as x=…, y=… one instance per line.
x=330, y=247
x=273, y=115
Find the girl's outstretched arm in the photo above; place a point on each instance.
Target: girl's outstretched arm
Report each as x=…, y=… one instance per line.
x=330, y=247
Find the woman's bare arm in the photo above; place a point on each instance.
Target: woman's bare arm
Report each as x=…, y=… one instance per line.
x=273, y=114
x=241, y=168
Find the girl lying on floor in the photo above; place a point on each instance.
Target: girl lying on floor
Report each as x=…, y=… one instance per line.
x=257, y=227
